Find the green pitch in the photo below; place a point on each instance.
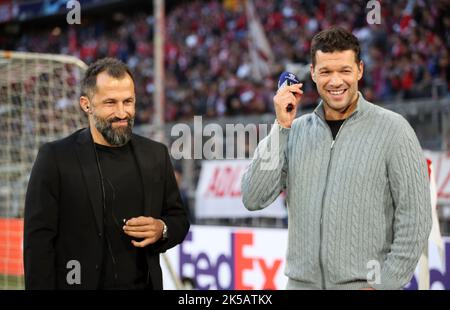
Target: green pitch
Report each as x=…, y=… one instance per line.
x=8, y=282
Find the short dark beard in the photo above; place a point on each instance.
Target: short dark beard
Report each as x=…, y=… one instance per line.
x=114, y=136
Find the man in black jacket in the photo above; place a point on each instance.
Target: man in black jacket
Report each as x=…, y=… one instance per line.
x=102, y=203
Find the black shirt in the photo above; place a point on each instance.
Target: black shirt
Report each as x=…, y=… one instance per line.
x=335, y=126
x=124, y=266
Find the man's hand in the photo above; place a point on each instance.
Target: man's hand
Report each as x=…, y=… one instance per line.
x=287, y=95
x=147, y=228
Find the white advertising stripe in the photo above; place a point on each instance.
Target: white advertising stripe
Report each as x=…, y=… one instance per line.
x=441, y=165
x=219, y=195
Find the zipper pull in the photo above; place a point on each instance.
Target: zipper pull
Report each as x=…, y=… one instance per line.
x=332, y=143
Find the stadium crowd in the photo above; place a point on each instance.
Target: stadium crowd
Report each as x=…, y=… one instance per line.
x=206, y=50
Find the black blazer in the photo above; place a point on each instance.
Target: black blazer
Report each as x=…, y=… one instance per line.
x=64, y=211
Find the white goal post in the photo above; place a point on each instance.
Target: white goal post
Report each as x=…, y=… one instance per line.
x=39, y=96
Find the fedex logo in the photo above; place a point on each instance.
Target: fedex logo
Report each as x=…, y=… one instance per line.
x=228, y=270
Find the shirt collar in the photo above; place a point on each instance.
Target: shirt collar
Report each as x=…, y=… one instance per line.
x=362, y=106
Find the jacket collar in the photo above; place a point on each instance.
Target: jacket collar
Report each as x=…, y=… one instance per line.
x=362, y=107
x=89, y=169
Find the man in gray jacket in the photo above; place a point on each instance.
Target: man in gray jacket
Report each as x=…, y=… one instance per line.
x=357, y=187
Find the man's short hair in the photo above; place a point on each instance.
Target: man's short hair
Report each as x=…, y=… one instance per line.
x=335, y=39
x=112, y=66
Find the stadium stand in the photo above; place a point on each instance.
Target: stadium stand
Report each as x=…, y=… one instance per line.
x=207, y=66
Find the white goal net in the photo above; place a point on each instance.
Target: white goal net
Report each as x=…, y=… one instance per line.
x=38, y=103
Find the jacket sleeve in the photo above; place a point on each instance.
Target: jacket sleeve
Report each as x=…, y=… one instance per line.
x=174, y=213
x=40, y=221
x=265, y=177
x=409, y=185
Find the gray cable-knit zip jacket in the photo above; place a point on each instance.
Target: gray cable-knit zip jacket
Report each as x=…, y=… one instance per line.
x=359, y=207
